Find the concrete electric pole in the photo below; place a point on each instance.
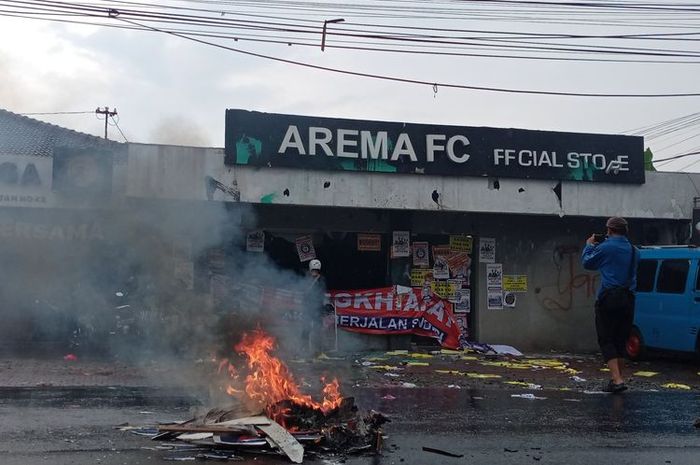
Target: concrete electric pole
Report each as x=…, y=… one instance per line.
x=106, y=111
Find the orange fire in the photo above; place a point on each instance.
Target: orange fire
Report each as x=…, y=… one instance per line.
x=269, y=380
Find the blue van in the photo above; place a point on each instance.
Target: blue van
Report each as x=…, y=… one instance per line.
x=667, y=311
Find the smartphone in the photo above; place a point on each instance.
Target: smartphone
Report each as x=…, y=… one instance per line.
x=598, y=238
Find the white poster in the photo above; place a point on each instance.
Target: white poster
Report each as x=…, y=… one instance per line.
x=509, y=299
x=255, y=241
x=421, y=252
x=440, y=269
x=463, y=299
x=401, y=244
x=487, y=250
x=494, y=300
x=494, y=276
x=305, y=248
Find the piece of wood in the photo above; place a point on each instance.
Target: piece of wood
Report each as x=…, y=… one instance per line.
x=194, y=436
x=205, y=429
x=255, y=421
x=285, y=441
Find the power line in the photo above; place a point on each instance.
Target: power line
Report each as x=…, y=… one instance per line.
x=115, y=15
x=118, y=128
x=501, y=42
x=676, y=157
x=57, y=113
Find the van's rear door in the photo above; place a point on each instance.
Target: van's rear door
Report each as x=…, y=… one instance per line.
x=676, y=294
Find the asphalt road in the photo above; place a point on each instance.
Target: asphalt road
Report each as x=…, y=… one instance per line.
x=76, y=426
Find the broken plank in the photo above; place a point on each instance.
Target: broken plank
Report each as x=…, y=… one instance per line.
x=204, y=429
x=257, y=420
x=285, y=441
x=194, y=436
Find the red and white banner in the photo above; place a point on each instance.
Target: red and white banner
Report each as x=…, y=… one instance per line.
x=387, y=311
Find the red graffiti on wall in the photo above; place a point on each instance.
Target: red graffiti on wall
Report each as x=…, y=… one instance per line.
x=569, y=279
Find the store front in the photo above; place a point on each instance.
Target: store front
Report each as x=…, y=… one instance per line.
x=373, y=200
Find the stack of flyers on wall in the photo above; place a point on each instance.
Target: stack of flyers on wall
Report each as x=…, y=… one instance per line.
x=494, y=286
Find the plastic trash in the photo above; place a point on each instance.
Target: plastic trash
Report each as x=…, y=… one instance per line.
x=645, y=374
x=528, y=395
x=70, y=358
x=578, y=379
x=684, y=387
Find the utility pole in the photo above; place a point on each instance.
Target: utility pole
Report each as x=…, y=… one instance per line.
x=107, y=114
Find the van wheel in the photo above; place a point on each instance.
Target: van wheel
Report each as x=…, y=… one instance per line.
x=635, y=344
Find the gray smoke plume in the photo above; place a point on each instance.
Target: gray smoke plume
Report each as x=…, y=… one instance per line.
x=177, y=130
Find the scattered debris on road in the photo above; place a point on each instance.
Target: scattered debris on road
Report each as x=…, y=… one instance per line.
x=442, y=452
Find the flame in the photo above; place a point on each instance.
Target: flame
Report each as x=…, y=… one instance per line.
x=269, y=380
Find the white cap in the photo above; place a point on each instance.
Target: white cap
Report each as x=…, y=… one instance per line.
x=315, y=264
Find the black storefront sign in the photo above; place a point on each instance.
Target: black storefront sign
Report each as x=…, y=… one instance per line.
x=288, y=141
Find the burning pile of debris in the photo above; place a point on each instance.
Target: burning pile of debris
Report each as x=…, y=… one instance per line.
x=291, y=423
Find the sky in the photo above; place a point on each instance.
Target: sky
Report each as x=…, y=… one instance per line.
x=168, y=89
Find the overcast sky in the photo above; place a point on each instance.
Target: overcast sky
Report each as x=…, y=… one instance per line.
x=170, y=90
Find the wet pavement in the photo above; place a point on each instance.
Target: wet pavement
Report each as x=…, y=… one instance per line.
x=76, y=425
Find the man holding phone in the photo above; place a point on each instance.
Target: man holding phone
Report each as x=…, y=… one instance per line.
x=616, y=259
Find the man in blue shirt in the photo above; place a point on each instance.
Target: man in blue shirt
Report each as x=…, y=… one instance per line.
x=616, y=259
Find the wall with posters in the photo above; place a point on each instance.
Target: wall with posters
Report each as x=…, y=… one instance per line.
x=547, y=297
x=535, y=226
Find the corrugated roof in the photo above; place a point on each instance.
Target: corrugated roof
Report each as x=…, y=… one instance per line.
x=21, y=135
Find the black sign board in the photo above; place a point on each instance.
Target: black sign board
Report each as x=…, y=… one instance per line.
x=287, y=141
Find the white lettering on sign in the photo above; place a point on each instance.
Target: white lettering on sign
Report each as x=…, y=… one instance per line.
x=451, y=149
x=431, y=146
x=320, y=137
x=376, y=147
x=344, y=142
x=292, y=139
x=403, y=147
x=550, y=158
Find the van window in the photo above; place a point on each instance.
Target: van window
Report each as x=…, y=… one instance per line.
x=646, y=275
x=672, y=276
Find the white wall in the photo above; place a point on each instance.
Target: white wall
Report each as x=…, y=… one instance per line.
x=172, y=172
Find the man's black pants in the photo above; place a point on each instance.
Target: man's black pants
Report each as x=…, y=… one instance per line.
x=613, y=325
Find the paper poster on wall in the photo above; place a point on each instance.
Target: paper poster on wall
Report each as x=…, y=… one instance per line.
x=444, y=289
x=494, y=276
x=461, y=243
x=255, y=241
x=305, y=248
x=419, y=276
x=509, y=299
x=440, y=269
x=463, y=301
x=515, y=283
x=420, y=254
x=458, y=261
x=369, y=242
x=463, y=324
x=441, y=251
x=487, y=250
x=494, y=300
x=401, y=244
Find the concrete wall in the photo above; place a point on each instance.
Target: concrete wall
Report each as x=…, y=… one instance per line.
x=179, y=173
x=535, y=234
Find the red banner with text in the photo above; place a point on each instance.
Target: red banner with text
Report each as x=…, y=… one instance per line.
x=393, y=310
